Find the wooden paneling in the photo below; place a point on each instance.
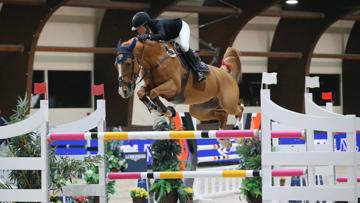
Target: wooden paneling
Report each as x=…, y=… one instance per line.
x=301, y=35
x=20, y=24
x=115, y=25
x=223, y=33
x=159, y=6
x=350, y=74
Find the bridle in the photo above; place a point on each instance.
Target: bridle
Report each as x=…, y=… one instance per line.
x=126, y=53
x=123, y=54
x=120, y=60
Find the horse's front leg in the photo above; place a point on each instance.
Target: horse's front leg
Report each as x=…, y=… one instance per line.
x=145, y=99
x=166, y=90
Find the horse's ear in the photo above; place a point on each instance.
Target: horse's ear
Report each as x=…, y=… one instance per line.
x=133, y=44
x=119, y=43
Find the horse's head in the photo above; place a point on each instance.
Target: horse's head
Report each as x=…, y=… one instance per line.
x=128, y=70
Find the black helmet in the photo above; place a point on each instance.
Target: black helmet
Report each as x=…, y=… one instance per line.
x=139, y=19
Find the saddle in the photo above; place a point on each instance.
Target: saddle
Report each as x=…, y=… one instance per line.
x=186, y=64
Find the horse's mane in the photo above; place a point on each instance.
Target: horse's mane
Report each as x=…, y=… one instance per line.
x=154, y=46
x=148, y=42
x=127, y=42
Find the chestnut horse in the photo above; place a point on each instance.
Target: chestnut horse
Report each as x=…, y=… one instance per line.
x=163, y=75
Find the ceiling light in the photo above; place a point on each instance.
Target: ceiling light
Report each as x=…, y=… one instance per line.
x=292, y=2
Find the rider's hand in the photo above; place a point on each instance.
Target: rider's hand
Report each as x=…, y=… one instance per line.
x=143, y=37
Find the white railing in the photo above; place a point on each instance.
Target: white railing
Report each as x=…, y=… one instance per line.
x=312, y=108
x=207, y=188
x=39, y=122
x=94, y=120
x=310, y=158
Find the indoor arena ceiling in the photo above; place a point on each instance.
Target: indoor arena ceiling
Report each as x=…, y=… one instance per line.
x=195, y=6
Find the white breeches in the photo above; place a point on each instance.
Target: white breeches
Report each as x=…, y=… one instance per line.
x=184, y=37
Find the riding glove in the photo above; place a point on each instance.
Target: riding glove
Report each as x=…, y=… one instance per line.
x=144, y=37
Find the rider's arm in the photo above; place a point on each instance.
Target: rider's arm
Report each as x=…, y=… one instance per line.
x=160, y=33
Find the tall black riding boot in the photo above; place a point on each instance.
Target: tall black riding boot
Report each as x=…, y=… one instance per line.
x=195, y=64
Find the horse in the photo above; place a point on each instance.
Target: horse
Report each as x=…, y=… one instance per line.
x=163, y=74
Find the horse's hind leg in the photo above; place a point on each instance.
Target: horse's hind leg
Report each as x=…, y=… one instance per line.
x=233, y=106
x=237, y=124
x=203, y=113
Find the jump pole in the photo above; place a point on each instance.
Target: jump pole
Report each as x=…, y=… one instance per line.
x=345, y=180
x=203, y=174
x=160, y=135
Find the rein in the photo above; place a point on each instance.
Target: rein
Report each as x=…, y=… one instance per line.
x=146, y=72
x=169, y=54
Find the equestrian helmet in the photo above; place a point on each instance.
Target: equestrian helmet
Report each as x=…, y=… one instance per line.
x=139, y=19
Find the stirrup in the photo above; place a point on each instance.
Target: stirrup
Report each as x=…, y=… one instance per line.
x=200, y=77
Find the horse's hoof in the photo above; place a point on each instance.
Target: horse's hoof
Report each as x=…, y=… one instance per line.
x=170, y=111
x=236, y=127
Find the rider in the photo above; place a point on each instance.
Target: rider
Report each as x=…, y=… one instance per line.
x=168, y=29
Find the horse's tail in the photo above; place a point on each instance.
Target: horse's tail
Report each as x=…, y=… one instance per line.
x=232, y=59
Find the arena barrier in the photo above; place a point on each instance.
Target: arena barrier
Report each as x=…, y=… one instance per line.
x=311, y=108
x=39, y=121
x=272, y=114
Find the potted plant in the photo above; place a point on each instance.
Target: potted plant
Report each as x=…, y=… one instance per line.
x=250, y=159
x=165, y=159
x=115, y=163
x=139, y=195
x=55, y=199
x=165, y=153
x=188, y=193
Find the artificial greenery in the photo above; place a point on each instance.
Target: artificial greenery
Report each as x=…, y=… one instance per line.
x=165, y=153
x=115, y=163
x=250, y=159
x=62, y=169
x=24, y=146
x=91, y=176
x=4, y=185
